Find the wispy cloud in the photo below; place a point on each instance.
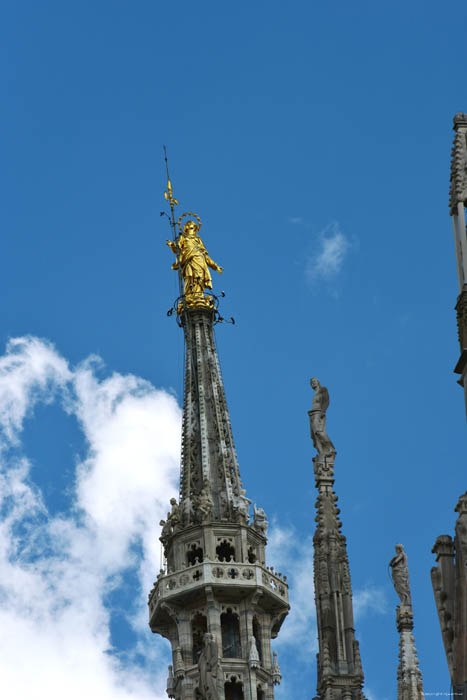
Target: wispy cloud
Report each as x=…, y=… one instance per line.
x=369, y=599
x=56, y=571
x=332, y=247
x=295, y=219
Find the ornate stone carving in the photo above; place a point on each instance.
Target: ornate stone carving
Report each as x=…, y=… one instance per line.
x=317, y=414
x=166, y=533
x=253, y=656
x=170, y=688
x=205, y=503
x=260, y=522
x=400, y=575
x=241, y=505
x=174, y=516
x=208, y=667
x=276, y=672
x=458, y=189
x=187, y=509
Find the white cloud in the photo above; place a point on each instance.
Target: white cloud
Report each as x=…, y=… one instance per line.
x=369, y=599
x=55, y=571
x=293, y=555
x=296, y=219
x=332, y=249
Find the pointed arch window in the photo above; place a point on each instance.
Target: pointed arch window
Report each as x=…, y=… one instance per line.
x=233, y=690
x=230, y=628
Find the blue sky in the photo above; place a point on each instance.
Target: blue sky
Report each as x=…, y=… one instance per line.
x=313, y=139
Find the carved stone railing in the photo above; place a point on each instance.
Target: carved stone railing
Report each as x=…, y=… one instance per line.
x=217, y=573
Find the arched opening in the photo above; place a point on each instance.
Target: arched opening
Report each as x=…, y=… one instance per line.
x=199, y=627
x=230, y=628
x=194, y=555
x=260, y=693
x=257, y=636
x=225, y=551
x=233, y=690
x=251, y=555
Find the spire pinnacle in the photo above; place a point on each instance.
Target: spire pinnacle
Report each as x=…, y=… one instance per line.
x=340, y=674
x=409, y=676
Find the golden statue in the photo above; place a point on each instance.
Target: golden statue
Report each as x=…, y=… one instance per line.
x=193, y=261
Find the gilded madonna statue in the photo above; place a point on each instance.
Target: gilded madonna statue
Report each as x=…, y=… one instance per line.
x=194, y=262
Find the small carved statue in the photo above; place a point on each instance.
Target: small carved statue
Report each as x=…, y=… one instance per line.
x=205, y=502
x=321, y=441
x=174, y=516
x=400, y=575
x=194, y=261
x=260, y=522
x=187, y=509
x=241, y=505
x=166, y=532
x=208, y=667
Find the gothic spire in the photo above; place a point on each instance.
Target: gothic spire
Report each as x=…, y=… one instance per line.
x=409, y=676
x=340, y=674
x=215, y=599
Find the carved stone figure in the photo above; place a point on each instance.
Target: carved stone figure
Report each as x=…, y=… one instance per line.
x=260, y=522
x=174, y=516
x=187, y=509
x=194, y=261
x=208, y=667
x=242, y=505
x=317, y=414
x=205, y=502
x=400, y=575
x=166, y=532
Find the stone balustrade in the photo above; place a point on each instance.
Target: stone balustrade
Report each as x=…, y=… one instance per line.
x=220, y=573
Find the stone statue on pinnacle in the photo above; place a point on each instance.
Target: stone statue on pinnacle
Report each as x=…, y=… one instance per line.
x=317, y=414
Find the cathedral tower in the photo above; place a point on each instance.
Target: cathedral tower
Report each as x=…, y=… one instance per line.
x=215, y=600
x=340, y=674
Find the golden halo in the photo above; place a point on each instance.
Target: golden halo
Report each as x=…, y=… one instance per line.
x=188, y=213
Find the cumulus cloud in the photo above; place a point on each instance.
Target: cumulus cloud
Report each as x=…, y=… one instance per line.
x=332, y=247
x=293, y=555
x=56, y=571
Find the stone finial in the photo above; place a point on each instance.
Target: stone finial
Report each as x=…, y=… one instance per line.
x=179, y=666
x=253, y=656
x=170, y=688
x=444, y=546
x=317, y=414
x=276, y=672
